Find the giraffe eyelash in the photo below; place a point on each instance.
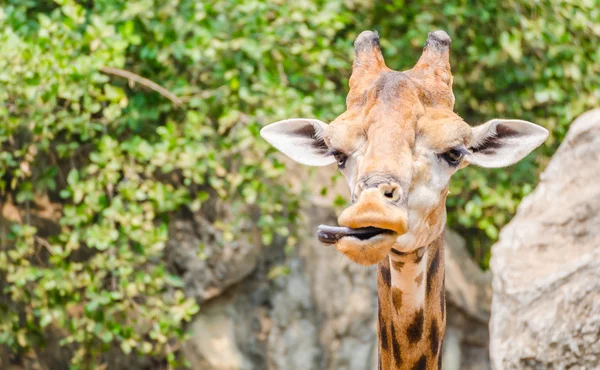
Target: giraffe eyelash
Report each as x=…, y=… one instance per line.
x=454, y=156
x=340, y=157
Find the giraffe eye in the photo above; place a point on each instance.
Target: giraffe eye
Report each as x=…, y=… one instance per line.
x=454, y=156
x=341, y=159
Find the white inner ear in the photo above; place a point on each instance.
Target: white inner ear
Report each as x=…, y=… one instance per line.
x=301, y=139
x=503, y=142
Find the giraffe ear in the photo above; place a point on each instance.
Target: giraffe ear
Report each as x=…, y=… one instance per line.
x=503, y=142
x=301, y=139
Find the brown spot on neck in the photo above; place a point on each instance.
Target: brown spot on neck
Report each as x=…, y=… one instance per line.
x=385, y=274
x=414, y=332
x=421, y=364
x=419, y=279
x=433, y=269
x=383, y=332
x=419, y=253
x=397, y=265
x=397, y=299
x=396, y=348
x=434, y=337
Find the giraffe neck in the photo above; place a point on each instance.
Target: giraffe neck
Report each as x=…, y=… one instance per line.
x=411, y=312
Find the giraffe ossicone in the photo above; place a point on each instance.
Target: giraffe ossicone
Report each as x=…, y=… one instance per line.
x=397, y=145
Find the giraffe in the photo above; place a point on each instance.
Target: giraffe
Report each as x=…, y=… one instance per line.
x=397, y=145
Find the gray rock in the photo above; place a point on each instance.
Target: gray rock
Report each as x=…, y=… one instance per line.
x=215, y=345
x=468, y=298
x=546, y=266
x=207, y=269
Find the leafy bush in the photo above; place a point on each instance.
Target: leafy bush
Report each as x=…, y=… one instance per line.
x=120, y=160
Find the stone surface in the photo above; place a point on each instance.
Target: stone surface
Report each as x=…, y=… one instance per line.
x=468, y=297
x=207, y=269
x=546, y=266
x=217, y=343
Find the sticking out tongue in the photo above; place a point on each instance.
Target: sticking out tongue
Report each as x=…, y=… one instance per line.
x=331, y=234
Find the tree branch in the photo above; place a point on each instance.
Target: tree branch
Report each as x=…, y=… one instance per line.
x=132, y=77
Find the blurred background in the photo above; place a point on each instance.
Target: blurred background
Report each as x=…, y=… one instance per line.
x=144, y=224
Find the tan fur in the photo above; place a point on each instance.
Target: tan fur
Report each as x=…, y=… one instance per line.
x=395, y=123
x=366, y=252
x=389, y=116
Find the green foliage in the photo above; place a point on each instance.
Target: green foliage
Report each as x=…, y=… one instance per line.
x=123, y=160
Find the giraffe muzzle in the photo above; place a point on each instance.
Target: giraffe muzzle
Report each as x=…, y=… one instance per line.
x=368, y=220
x=374, y=209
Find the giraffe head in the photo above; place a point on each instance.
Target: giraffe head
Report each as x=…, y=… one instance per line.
x=397, y=144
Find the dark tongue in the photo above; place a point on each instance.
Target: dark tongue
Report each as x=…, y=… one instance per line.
x=331, y=234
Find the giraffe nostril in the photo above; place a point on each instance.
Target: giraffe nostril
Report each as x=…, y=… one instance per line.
x=390, y=191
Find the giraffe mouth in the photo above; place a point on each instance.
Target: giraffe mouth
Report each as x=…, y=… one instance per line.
x=332, y=234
